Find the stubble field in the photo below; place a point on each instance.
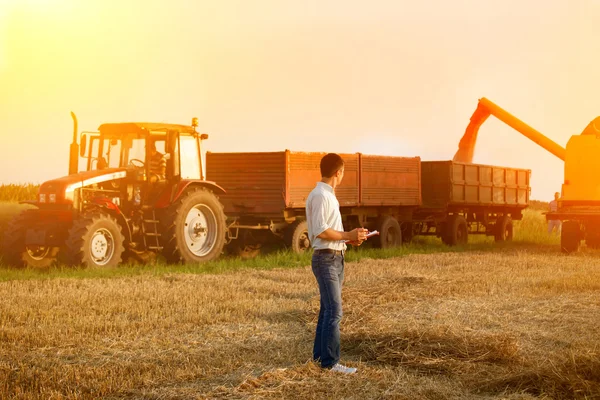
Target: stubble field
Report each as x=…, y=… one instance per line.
x=517, y=321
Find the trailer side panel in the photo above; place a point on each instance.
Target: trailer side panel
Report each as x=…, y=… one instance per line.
x=473, y=185
x=254, y=182
x=304, y=173
x=390, y=181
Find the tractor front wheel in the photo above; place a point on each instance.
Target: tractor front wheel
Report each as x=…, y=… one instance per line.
x=16, y=253
x=95, y=240
x=194, y=228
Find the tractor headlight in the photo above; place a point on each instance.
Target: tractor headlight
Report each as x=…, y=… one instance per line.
x=52, y=198
x=42, y=197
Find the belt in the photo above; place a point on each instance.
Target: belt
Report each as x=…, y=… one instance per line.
x=330, y=251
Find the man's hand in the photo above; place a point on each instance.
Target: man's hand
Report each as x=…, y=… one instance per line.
x=358, y=235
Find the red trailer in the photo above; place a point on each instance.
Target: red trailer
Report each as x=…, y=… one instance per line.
x=266, y=195
x=461, y=199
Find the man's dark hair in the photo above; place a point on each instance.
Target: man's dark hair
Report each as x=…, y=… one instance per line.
x=330, y=164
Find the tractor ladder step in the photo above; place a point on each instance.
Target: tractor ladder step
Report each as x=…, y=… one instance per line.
x=150, y=231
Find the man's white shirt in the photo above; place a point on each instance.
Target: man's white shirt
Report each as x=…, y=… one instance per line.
x=322, y=213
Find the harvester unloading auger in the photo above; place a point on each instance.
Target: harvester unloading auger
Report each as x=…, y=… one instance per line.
x=579, y=206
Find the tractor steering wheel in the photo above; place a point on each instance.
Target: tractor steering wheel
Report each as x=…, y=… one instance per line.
x=137, y=163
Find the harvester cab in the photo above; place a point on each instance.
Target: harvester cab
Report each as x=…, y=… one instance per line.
x=141, y=192
x=579, y=206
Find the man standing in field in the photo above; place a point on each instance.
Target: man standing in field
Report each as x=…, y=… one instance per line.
x=554, y=223
x=327, y=237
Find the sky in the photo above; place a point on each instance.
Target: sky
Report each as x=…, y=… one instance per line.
x=388, y=77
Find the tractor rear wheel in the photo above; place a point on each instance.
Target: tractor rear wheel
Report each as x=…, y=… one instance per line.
x=504, y=229
x=296, y=237
x=16, y=253
x=456, y=232
x=570, y=236
x=95, y=240
x=390, y=234
x=193, y=228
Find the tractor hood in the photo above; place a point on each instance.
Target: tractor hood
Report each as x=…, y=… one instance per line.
x=61, y=190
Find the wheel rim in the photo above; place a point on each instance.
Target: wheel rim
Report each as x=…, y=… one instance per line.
x=37, y=253
x=200, y=230
x=102, y=246
x=303, y=241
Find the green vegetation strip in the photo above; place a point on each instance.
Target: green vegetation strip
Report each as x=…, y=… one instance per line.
x=530, y=235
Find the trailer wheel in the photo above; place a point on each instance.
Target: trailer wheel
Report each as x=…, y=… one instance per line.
x=570, y=236
x=456, y=230
x=407, y=229
x=504, y=229
x=193, y=228
x=16, y=253
x=95, y=240
x=296, y=237
x=390, y=233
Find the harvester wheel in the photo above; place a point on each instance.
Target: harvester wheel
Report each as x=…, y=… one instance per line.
x=296, y=237
x=16, y=253
x=570, y=236
x=456, y=232
x=193, y=228
x=504, y=229
x=390, y=234
x=592, y=240
x=95, y=240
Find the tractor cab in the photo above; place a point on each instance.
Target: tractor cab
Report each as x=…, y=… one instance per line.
x=130, y=146
x=154, y=157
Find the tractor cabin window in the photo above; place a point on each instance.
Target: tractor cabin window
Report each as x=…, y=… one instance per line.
x=112, y=147
x=189, y=157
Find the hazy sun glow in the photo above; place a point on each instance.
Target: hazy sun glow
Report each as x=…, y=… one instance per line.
x=387, y=77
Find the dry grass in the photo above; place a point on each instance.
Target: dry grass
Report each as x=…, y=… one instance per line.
x=512, y=325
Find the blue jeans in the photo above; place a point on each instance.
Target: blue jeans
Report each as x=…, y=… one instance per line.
x=329, y=271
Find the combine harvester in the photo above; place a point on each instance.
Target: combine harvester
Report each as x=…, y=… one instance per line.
x=579, y=206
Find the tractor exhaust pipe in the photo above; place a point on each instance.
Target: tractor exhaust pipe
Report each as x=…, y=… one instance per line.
x=74, y=149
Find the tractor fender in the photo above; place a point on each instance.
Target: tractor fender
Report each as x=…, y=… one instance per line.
x=169, y=197
x=113, y=209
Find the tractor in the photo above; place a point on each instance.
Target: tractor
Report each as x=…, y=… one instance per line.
x=117, y=209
